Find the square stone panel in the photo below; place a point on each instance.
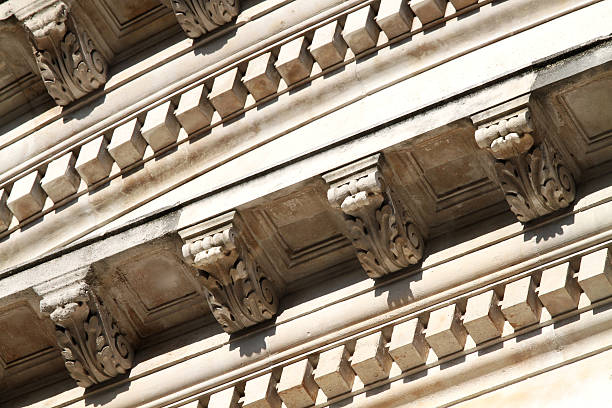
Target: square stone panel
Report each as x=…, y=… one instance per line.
x=590, y=106
x=157, y=279
x=21, y=333
x=450, y=162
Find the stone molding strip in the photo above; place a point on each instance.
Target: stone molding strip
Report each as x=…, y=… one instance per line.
x=194, y=112
x=496, y=313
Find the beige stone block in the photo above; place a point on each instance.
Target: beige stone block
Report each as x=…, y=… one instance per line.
x=160, y=127
x=297, y=387
x=262, y=78
x=360, y=31
x=459, y=4
x=94, y=163
x=294, y=61
x=445, y=333
x=371, y=360
x=394, y=17
x=127, y=145
x=328, y=47
x=194, y=110
x=483, y=318
x=521, y=306
x=428, y=10
x=227, y=398
x=408, y=347
x=228, y=93
x=558, y=290
x=261, y=392
x=595, y=275
x=5, y=214
x=61, y=179
x=27, y=196
x=334, y=374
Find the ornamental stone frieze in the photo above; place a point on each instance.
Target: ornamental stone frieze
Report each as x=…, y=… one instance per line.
x=379, y=225
x=92, y=345
x=239, y=292
x=69, y=58
x=533, y=175
x=197, y=17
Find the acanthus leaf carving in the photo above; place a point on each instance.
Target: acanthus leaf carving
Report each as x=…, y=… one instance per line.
x=533, y=177
x=69, y=61
x=197, y=17
x=379, y=226
x=91, y=343
x=237, y=290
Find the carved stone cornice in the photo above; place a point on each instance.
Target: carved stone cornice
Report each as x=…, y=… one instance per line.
x=533, y=176
x=238, y=291
x=92, y=345
x=380, y=227
x=197, y=17
x=69, y=60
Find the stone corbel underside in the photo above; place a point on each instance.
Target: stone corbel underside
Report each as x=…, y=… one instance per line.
x=69, y=59
x=92, y=345
x=380, y=227
x=238, y=291
x=533, y=176
x=197, y=17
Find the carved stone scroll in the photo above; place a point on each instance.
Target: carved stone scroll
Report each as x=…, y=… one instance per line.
x=68, y=59
x=378, y=224
x=197, y=17
x=92, y=345
x=533, y=177
x=238, y=291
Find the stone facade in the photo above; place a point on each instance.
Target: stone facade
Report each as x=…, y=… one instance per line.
x=305, y=203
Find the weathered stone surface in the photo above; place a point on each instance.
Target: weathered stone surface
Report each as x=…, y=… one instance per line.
x=194, y=110
x=408, y=347
x=294, y=62
x=160, y=127
x=520, y=305
x=328, y=47
x=428, y=10
x=394, y=17
x=558, y=291
x=260, y=392
x=483, y=318
x=27, y=196
x=371, y=360
x=127, y=145
x=5, y=214
x=459, y=4
x=262, y=78
x=198, y=17
x=360, y=31
x=595, y=275
x=228, y=93
x=227, y=398
x=61, y=179
x=297, y=387
x=94, y=163
x=445, y=332
x=334, y=374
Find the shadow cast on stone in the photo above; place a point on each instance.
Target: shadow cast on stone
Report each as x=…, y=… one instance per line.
x=490, y=349
x=548, y=231
x=100, y=399
x=529, y=335
x=378, y=390
x=398, y=288
x=602, y=308
x=452, y=363
x=567, y=321
x=252, y=340
x=84, y=110
x=342, y=403
x=66, y=205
